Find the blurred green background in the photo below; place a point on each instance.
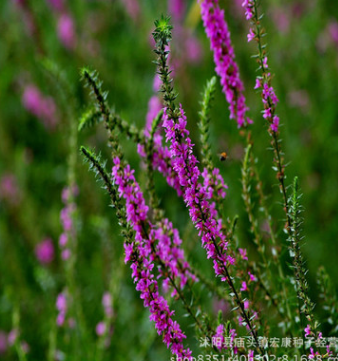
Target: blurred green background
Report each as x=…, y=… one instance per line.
x=114, y=37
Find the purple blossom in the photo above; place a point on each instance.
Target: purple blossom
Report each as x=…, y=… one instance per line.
x=61, y=302
x=267, y=113
x=63, y=239
x=213, y=184
x=218, y=339
x=246, y=304
x=128, y=250
x=100, y=328
x=313, y=354
x=251, y=35
x=307, y=331
x=44, y=251
x=258, y=83
x=250, y=355
x=275, y=123
x=171, y=254
x=265, y=63
x=66, y=31
x=243, y=253
x=249, y=8
x=244, y=287
x=61, y=306
x=224, y=57
x=252, y=277
x=270, y=101
x=42, y=107
x=221, y=342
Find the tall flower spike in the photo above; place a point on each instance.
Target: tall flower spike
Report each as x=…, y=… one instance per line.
x=224, y=57
x=139, y=253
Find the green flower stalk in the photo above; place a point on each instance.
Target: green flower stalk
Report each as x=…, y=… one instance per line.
x=300, y=271
x=204, y=123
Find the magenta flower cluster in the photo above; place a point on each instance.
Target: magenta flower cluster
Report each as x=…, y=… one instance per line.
x=269, y=98
x=141, y=253
x=172, y=256
x=221, y=342
x=66, y=31
x=224, y=57
x=213, y=183
x=41, y=106
x=44, y=251
x=196, y=196
x=249, y=7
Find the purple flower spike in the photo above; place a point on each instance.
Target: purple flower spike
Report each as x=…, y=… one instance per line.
x=142, y=254
x=202, y=212
x=224, y=57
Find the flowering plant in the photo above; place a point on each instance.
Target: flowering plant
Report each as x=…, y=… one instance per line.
x=185, y=273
